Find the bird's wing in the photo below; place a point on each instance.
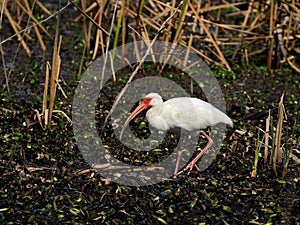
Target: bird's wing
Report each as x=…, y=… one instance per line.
x=188, y=113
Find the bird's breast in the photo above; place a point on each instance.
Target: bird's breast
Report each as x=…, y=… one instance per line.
x=156, y=119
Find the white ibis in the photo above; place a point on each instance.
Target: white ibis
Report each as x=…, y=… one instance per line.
x=187, y=113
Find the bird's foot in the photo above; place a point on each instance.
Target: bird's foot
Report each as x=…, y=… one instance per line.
x=177, y=174
x=190, y=167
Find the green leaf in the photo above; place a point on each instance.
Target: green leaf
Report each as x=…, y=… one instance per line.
x=161, y=220
x=227, y=208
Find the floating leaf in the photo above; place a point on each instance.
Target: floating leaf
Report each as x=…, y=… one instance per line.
x=161, y=220
x=74, y=211
x=193, y=203
x=227, y=208
x=4, y=209
x=281, y=181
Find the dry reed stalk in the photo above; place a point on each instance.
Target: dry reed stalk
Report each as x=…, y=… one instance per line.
x=247, y=15
x=271, y=29
x=231, y=27
x=2, y=52
x=168, y=29
x=155, y=9
x=277, y=156
x=112, y=67
x=146, y=19
x=45, y=111
x=266, y=149
x=87, y=10
x=5, y=71
x=99, y=40
x=178, y=29
x=166, y=58
x=217, y=29
x=43, y=7
x=191, y=36
x=256, y=156
x=28, y=11
x=222, y=6
x=242, y=28
x=202, y=54
x=257, y=52
x=39, y=116
x=146, y=39
x=292, y=64
x=55, y=69
x=144, y=33
x=54, y=77
x=137, y=52
x=17, y=28
x=255, y=23
x=165, y=8
x=189, y=45
x=107, y=43
x=219, y=52
x=85, y=27
x=246, y=56
x=88, y=37
x=88, y=17
x=40, y=38
x=279, y=32
x=289, y=30
x=64, y=114
x=158, y=15
x=61, y=89
x=13, y=23
x=36, y=24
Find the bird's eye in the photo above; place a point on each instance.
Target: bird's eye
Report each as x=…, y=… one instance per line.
x=147, y=100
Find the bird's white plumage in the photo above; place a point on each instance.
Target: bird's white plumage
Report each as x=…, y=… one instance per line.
x=187, y=113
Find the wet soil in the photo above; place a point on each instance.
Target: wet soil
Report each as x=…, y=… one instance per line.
x=45, y=179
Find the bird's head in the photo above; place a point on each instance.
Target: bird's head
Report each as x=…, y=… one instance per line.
x=151, y=99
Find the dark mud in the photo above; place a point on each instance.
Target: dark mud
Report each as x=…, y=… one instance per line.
x=44, y=178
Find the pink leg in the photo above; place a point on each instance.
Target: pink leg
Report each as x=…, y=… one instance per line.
x=179, y=151
x=177, y=163
x=192, y=164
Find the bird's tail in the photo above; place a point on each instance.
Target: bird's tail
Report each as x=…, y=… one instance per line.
x=220, y=117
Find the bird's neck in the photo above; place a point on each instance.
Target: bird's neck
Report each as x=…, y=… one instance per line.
x=156, y=117
x=154, y=111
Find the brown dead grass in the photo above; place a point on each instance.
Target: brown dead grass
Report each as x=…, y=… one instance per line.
x=218, y=31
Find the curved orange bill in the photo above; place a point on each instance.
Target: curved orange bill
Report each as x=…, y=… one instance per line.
x=138, y=109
